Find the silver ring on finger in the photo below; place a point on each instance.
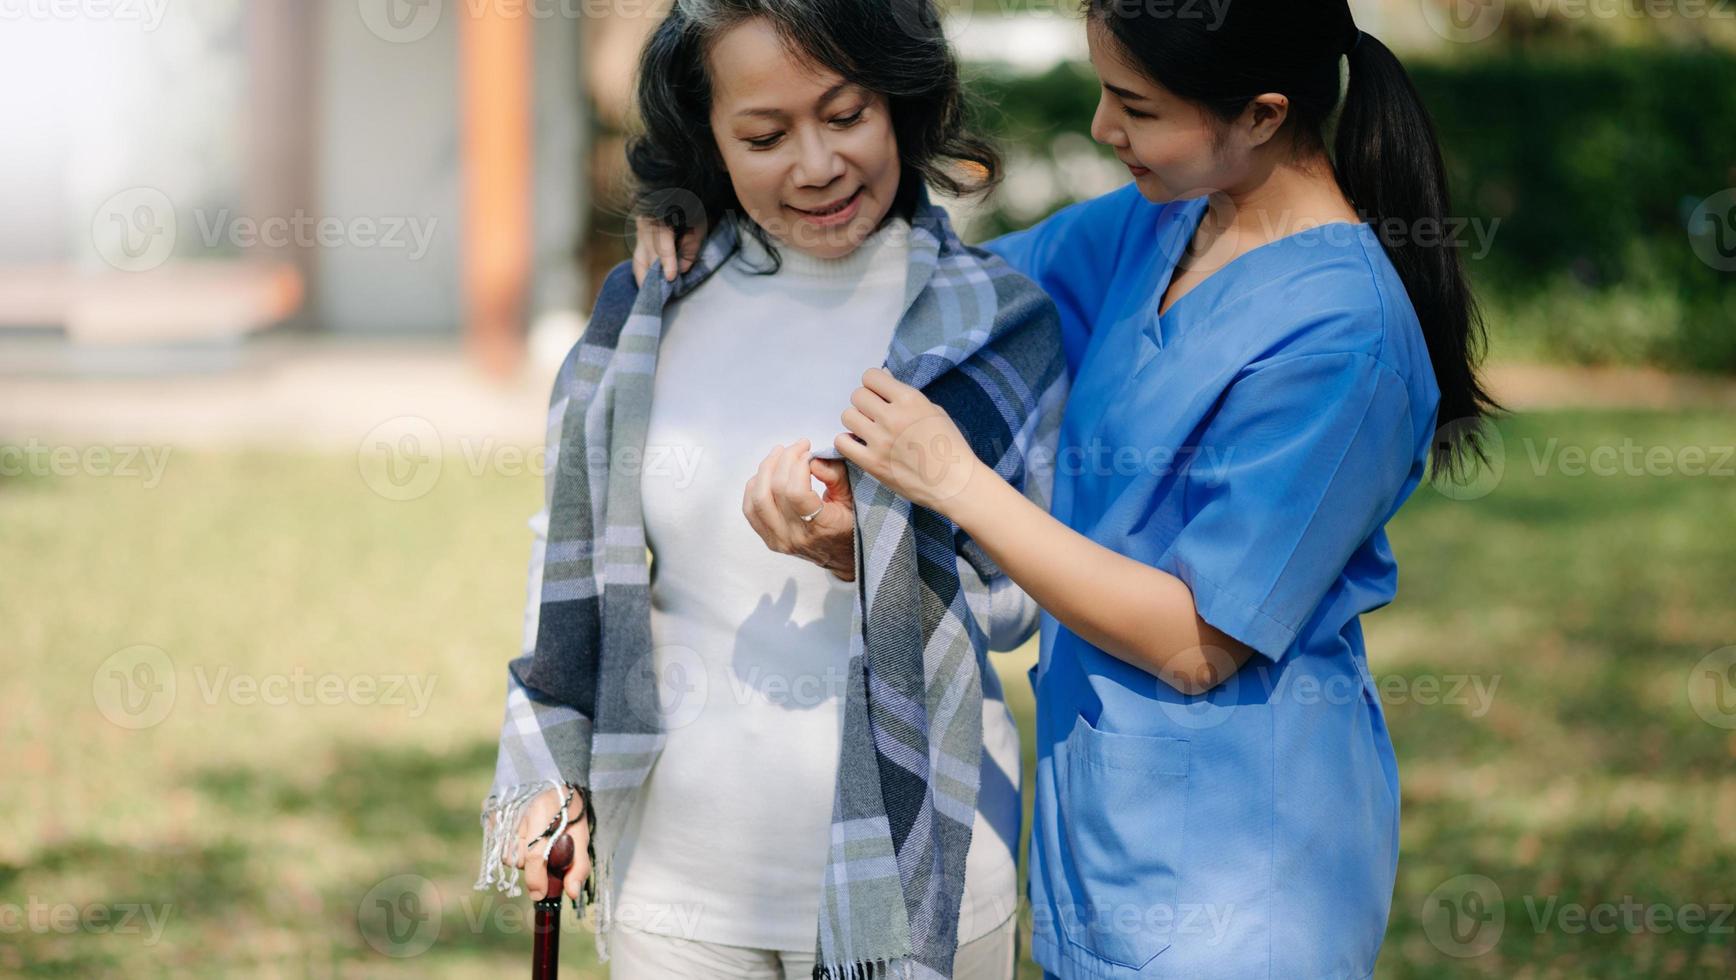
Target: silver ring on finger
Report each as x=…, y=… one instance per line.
x=809, y=518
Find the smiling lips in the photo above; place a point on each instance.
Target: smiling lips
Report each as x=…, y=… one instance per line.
x=836, y=213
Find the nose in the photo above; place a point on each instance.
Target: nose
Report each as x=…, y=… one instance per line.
x=817, y=163
x=1104, y=129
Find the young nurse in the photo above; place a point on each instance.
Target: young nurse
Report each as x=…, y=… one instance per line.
x=1270, y=344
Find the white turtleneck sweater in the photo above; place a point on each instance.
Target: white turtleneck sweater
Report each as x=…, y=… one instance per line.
x=729, y=841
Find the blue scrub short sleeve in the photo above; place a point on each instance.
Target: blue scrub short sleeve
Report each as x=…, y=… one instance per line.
x=1072, y=255
x=1302, y=463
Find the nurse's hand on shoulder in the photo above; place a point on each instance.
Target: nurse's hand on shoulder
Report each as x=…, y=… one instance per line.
x=657, y=241
x=780, y=504
x=907, y=442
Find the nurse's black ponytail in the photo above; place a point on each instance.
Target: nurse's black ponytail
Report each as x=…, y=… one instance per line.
x=1388, y=159
x=1389, y=164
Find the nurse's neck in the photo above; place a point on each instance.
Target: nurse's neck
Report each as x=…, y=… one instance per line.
x=1280, y=198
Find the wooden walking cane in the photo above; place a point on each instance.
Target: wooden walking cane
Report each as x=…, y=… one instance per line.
x=545, y=961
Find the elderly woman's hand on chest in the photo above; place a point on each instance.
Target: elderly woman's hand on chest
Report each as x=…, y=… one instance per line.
x=792, y=519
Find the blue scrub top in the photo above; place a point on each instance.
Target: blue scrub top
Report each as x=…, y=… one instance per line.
x=1253, y=441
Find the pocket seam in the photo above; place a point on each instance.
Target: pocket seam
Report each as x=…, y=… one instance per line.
x=1100, y=750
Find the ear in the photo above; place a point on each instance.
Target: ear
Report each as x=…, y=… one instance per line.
x=1264, y=117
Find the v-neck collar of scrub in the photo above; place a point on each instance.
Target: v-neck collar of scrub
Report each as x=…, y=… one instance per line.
x=1180, y=234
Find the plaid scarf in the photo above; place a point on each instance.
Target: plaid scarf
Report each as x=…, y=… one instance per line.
x=981, y=342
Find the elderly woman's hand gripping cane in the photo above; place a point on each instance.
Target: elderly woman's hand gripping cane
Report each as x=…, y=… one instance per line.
x=554, y=835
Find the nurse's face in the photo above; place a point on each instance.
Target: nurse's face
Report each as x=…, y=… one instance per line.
x=813, y=158
x=1172, y=147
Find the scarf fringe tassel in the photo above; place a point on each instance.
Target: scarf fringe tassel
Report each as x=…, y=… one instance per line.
x=881, y=969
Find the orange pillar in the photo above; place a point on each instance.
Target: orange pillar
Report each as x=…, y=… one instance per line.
x=495, y=75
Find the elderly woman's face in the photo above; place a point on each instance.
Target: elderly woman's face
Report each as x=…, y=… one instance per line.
x=813, y=158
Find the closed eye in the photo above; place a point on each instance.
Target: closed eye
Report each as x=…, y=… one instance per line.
x=765, y=142
x=845, y=122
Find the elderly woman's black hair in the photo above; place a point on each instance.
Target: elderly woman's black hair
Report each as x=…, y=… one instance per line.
x=1386, y=156
x=893, y=47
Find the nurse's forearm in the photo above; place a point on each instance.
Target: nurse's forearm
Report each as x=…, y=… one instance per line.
x=1135, y=612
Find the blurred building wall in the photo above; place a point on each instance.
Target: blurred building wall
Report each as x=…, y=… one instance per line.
x=388, y=149
x=391, y=143
x=148, y=145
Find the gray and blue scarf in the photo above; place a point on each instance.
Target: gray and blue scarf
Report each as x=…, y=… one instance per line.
x=984, y=344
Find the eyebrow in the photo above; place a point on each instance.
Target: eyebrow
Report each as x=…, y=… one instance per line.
x=1125, y=94
x=825, y=97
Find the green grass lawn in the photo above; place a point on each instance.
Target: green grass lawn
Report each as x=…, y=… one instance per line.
x=265, y=828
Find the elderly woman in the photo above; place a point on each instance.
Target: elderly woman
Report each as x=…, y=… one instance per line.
x=784, y=764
